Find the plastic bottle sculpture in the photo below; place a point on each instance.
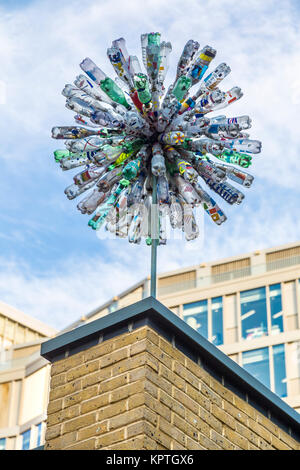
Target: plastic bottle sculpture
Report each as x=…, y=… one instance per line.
x=131, y=129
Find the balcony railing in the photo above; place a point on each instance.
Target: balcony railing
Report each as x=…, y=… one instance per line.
x=205, y=281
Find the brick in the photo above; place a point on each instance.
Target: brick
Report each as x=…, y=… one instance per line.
x=186, y=401
x=58, y=380
x=61, y=442
x=283, y=436
x=172, y=377
x=159, y=381
x=85, y=445
x=77, y=423
x=192, y=445
x=136, y=443
x=63, y=415
x=114, y=357
x=235, y=438
x=210, y=420
x=55, y=405
x=197, y=422
x=212, y=396
x=66, y=364
x=221, y=441
x=278, y=444
x=82, y=370
x=127, y=391
x=159, y=354
x=100, y=350
x=126, y=418
x=52, y=432
x=176, y=446
x=160, y=408
x=176, y=406
x=130, y=338
x=266, y=423
x=80, y=396
x=153, y=336
x=245, y=407
x=198, y=397
x=110, y=438
x=198, y=371
x=172, y=352
x=207, y=443
x=113, y=382
x=140, y=427
x=181, y=371
x=222, y=391
x=171, y=431
x=95, y=378
x=151, y=388
x=239, y=415
x=161, y=438
x=259, y=430
x=112, y=410
x=221, y=415
x=92, y=431
x=129, y=364
x=263, y=445
x=64, y=390
x=139, y=347
x=136, y=400
x=247, y=433
x=95, y=403
x=185, y=427
x=136, y=374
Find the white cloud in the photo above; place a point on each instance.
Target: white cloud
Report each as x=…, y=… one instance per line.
x=41, y=47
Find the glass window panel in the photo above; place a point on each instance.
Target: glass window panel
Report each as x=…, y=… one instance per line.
x=254, y=313
x=2, y=443
x=276, y=309
x=256, y=362
x=195, y=314
x=217, y=320
x=39, y=434
x=26, y=440
x=279, y=370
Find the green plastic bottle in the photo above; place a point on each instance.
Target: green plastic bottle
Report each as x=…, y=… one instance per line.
x=141, y=84
x=182, y=87
x=114, y=92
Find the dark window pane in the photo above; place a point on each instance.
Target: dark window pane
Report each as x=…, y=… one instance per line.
x=39, y=434
x=195, y=314
x=279, y=370
x=217, y=320
x=254, y=313
x=276, y=309
x=26, y=440
x=256, y=362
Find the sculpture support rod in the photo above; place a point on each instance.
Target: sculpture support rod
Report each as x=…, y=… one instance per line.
x=154, y=236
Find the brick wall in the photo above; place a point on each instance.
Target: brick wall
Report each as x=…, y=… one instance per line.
x=136, y=391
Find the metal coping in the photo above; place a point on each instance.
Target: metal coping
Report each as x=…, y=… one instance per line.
x=151, y=312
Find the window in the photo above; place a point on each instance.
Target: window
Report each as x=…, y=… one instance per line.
x=113, y=307
x=254, y=313
x=256, y=362
x=276, y=309
x=195, y=314
x=2, y=443
x=217, y=320
x=26, y=440
x=279, y=370
x=39, y=434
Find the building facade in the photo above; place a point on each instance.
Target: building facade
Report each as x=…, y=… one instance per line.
x=24, y=378
x=248, y=306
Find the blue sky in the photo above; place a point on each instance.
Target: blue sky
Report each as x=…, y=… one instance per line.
x=52, y=266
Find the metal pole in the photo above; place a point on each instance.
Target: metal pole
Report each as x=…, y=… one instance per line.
x=154, y=236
